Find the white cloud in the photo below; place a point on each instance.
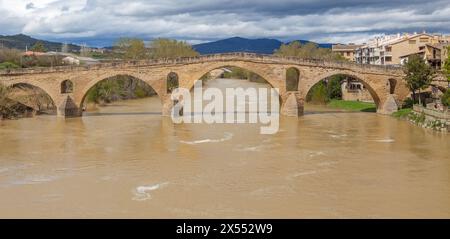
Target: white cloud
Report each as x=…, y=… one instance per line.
x=197, y=21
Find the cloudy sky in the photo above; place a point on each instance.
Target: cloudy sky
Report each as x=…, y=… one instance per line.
x=100, y=22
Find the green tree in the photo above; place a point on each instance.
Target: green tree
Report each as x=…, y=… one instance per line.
x=120, y=87
x=38, y=47
x=168, y=49
x=131, y=48
x=291, y=49
x=8, y=65
x=104, y=91
x=447, y=64
x=446, y=98
x=236, y=73
x=318, y=94
x=418, y=74
x=334, y=88
x=307, y=51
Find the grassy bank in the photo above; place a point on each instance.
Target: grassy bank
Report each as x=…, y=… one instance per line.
x=402, y=113
x=352, y=105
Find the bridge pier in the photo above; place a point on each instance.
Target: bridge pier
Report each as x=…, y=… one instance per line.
x=68, y=108
x=167, y=104
x=389, y=106
x=292, y=104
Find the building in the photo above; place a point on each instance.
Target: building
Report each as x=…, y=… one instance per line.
x=393, y=49
x=33, y=53
x=354, y=90
x=445, y=47
x=431, y=53
x=347, y=51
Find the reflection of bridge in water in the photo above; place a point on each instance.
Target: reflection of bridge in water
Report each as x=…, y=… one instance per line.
x=68, y=86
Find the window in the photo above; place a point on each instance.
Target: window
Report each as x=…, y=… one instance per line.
x=172, y=82
x=348, y=53
x=412, y=41
x=388, y=58
x=66, y=87
x=423, y=39
x=292, y=79
x=392, y=84
x=388, y=49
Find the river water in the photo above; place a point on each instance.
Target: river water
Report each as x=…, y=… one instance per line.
x=127, y=161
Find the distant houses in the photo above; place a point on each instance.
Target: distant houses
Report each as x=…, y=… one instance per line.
x=345, y=50
x=395, y=49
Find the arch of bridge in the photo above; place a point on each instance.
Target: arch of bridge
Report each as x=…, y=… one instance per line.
x=50, y=86
x=153, y=78
x=272, y=73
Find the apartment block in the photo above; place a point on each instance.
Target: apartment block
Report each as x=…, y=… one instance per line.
x=395, y=49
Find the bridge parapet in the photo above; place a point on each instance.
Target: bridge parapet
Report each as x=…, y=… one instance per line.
x=238, y=56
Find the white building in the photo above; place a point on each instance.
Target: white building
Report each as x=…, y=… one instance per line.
x=389, y=49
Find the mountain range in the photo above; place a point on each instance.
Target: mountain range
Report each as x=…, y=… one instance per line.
x=234, y=44
x=239, y=44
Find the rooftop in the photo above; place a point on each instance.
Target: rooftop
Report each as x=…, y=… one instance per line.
x=344, y=47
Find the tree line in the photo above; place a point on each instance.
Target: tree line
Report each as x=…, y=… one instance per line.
x=419, y=76
x=161, y=48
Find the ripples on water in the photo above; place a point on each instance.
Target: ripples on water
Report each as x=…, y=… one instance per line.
x=126, y=160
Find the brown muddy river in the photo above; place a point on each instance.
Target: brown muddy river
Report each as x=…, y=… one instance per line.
x=127, y=161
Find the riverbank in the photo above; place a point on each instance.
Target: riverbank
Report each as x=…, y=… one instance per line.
x=425, y=118
x=351, y=105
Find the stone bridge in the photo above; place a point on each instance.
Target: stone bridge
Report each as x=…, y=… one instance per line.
x=385, y=84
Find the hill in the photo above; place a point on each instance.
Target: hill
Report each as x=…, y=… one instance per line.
x=239, y=44
x=21, y=41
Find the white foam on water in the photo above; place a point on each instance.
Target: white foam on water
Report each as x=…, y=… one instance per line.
x=314, y=154
x=303, y=173
x=337, y=136
x=227, y=136
x=385, y=140
x=141, y=193
x=252, y=149
x=306, y=173
x=36, y=180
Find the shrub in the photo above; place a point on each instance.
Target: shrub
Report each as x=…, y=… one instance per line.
x=7, y=109
x=319, y=94
x=8, y=65
x=403, y=113
x=140, y=92
x=446, y=98
x=10, y=55
x=408, y=103
x=334, y=89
